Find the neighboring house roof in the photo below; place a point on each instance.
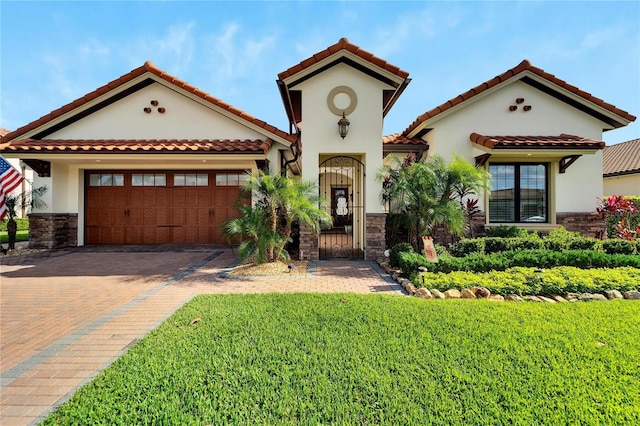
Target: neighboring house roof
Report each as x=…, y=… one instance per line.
x=148, y=67
x=148, y=145
x=621, y=159
x=550, y=84
x=562, y=141
x=342, y=52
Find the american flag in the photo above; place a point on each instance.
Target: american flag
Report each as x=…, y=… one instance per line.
x=10, y=178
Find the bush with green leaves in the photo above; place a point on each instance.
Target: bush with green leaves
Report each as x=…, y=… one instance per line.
x=616, y=246
x=467, y=246
x=532, y=281
x=394, y=253
x=477, y=262
x=23, y=224
x=504, y=231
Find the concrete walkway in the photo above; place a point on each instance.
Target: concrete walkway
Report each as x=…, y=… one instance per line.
x=66, y=315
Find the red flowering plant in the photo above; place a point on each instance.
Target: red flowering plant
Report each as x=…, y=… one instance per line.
x=626, y=216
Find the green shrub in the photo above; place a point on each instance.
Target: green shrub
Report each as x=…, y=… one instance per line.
x=465, y=247
x=496, y=244
x=477, y=262
x=530, y=243
x=23, y=224
x=394, y=253
x=524, y=281
x=504, y=231
x=616, y=246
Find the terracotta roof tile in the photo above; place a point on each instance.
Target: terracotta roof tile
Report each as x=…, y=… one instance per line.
x=151, y=68
x=342, y=44
x=4, y=132
x=132, y=145
x=509, y=74
x=562, y=141
x=621, y=159
x=399, y=139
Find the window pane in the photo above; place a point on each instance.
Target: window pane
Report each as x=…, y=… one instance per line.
x=161, y=180
x=501, y=203
x=203, y=180
x=118, y=180
x=221, y=179
x=533, y=196
x=190, y=179
x=244, y=178
x=147, y=180
x=106, y=180
x=232, y=179
x=94, y=179
x=178, y=179
x=136, y=180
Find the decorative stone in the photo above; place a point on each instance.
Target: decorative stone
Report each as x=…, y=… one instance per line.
x=481, y=292
x=467, y=294
x=452, y=293
x=546, y=299
x=514, y=298
x=496, y=298
x=586, y=297
x=559, y=299
x=573, y=296
x=394, y=276
x=423, y=293
x=632, y=295
x=532, y=299
x=599, y=296
x=411, y=289
x=437, y=294
x=613, y=294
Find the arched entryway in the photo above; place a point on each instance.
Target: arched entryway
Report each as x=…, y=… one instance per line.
x=342, y=185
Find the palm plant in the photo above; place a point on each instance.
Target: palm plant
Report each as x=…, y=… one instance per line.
x=279, y=201
x=28, y=200
x=425, y=193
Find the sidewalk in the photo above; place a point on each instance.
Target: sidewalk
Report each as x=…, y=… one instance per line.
x=66, y=316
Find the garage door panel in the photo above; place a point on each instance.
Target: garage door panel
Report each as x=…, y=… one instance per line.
x=158, y=214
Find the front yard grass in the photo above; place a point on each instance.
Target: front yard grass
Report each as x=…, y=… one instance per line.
x=20, y=236
x=350, y=359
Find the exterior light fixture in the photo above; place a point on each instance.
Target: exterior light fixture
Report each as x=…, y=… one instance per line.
x=343, y=126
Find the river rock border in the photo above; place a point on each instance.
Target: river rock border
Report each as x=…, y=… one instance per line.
x=478, y=292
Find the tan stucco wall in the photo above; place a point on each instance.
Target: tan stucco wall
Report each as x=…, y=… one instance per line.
x=622, y=185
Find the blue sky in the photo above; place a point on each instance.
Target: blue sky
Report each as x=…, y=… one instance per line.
x=54, y=52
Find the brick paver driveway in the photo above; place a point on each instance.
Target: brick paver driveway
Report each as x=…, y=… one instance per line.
x=67, y=315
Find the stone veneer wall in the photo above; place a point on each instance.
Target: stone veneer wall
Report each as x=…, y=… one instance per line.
x=53, y=230
x=308, y=244
x=588, y=224
x=375, y=235
x=476, y=229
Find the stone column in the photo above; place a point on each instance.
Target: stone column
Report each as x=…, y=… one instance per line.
x=53, y=230
x=308, y=244
x=375, y=235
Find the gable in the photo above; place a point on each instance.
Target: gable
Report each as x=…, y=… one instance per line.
x=156, y=112
x=607, y=114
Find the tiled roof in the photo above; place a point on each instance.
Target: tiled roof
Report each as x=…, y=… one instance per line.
x=513, y=72
x=526, y=142
x=150, y=68
x=399, y=139
x=3, y=132
x=343, y=43
x=621, y=159
x=153, y=145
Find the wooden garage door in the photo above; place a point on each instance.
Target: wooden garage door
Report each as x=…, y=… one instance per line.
x=160, y=207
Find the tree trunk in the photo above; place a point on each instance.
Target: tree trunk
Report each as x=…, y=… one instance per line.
x=12, y=229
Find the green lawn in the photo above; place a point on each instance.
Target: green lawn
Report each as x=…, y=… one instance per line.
x=20, y=236
x=349, y=359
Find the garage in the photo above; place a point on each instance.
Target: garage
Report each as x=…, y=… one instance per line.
x=160, y=207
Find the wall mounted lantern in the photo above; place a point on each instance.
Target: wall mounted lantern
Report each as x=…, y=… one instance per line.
x=343, y=126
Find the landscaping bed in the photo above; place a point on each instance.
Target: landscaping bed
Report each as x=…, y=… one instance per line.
x=352, y=359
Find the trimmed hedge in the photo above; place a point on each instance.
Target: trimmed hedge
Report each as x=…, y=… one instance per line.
x=586, y=259
x=23, y=224
x=524, y=281
x=394, y=253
